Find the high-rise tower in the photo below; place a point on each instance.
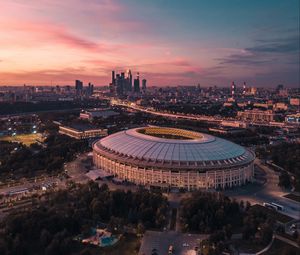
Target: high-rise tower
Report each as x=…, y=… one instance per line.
x=137, y=83
x=78, y=87
x=129, y=77
x=144, y=85
x=233, y=89
x=113, y=79
x=244, y=88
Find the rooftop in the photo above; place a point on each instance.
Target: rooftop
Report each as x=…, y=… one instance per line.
x=80, y=126
x=191, y=147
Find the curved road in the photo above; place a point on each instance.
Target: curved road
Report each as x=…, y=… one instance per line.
x=269, y=192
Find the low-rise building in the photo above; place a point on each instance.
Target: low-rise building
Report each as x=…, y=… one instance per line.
x=226, y=130
x=280, y=106
x=97, y=113
x=257, y=115
x=295, y=101
x=227, y=104
x=261, y=105
x=235, y=124
x=293, y=118
x=82, y=131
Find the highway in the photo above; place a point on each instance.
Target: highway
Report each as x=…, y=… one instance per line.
x=169, y=115
x=211, y=119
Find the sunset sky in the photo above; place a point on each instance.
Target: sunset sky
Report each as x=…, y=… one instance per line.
x=210, y=42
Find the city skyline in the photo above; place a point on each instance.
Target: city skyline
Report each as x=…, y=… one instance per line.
x=170, y=43
x=138, y=127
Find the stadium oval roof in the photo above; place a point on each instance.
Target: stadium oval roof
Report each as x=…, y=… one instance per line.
x=171, y=145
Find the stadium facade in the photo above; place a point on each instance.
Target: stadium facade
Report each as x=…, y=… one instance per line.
x=170, y=157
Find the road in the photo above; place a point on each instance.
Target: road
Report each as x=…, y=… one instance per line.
x=194, y=117
x=76, y=169
x=169, y=115
x=269, y=192
x=254, y=193
x=286, y=240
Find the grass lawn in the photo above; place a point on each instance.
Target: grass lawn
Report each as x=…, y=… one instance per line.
x=280, y=247
x=128, y=245
x=26, y=139
x=293, y=197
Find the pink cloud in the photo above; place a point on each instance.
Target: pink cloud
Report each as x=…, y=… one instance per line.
x=46, y=33
x=174, y=62
x=45, y=77
x=46, y=23
x=177, y=62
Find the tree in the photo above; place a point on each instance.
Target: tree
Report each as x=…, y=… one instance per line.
x=52, y=248
x=45, y=238
x=206, y=212
x=284, y=180
x=295, y=234
x=64, y=214
x=289, y=251
x=228, y=231
x=266, y=232
x=115, y=225
x=216, y=237
x=248, y=205
x=85, y=252
x=140, y=229
x=17, y=245
x=247, y=232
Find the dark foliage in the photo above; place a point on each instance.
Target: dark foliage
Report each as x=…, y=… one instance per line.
x=215, y=213
x=26, y=161
x=50, y=228
x=206, y=212
x=23, y=107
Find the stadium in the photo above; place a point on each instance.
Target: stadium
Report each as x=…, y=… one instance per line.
x=173, y=158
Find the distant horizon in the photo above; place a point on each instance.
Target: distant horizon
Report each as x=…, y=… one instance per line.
x=213, y=42
x=238, y=85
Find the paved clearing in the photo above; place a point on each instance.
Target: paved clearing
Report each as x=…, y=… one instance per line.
x=183, y=244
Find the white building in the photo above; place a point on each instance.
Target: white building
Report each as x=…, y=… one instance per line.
x=170, y=157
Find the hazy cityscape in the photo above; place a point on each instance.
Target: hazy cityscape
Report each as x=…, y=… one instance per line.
x=149, y=127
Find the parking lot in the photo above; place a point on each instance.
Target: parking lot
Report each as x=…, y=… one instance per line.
x=184, y=244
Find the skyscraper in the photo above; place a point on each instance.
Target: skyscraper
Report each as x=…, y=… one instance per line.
x=119, y=85
x=129, y=78
x=113, y=79
x=144, y=86
x=279, y=87
x=90, y=89
x=78, y=87
x=122, y=84
x=198, y=87
x=112, y=85
x=137, y=83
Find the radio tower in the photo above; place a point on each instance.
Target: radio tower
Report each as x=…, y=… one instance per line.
x=244, y=88
x=233, y=89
